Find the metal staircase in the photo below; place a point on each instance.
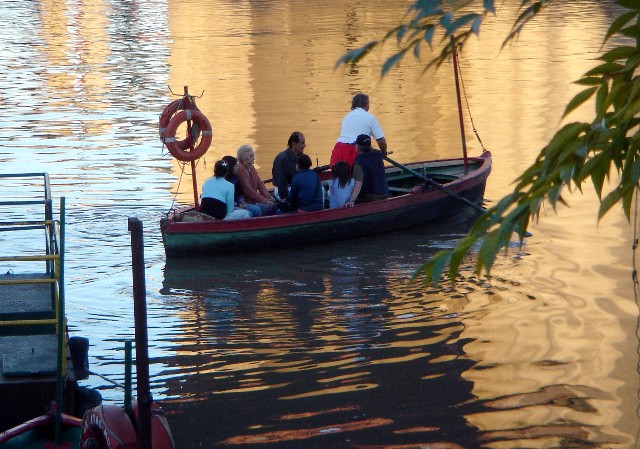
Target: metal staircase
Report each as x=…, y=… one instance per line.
x=33, y=340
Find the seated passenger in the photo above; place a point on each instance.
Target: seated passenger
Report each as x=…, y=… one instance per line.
x=232, y=177
x=217, y=196
x=253, y=189
x=306, y=189
x=284, y=165
x=368, y=172
x=341, y=185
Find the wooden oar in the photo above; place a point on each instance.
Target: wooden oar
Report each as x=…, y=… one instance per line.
x=436, y=185
x=439, y=186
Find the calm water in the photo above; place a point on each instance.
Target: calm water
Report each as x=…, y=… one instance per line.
x=326, y=347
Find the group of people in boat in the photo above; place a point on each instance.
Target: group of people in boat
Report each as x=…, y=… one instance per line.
x=236, y=191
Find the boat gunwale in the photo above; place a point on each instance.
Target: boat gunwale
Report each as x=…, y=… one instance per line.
x=39, y=422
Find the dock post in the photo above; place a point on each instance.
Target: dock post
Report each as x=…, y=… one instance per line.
x=141, y=337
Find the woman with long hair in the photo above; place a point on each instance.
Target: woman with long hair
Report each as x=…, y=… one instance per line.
x=341, y=185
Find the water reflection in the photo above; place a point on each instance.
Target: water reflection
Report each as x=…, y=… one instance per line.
x=315, y=353
x=337, y=350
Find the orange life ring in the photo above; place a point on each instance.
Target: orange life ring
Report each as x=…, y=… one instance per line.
x=177, y=149
x=160, y=432
x=166, y=115
x=108, y=427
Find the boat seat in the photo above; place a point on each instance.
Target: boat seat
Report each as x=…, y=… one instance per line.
x=399, y=189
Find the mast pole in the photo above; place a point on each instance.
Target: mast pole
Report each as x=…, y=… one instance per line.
x=194, y=180
x=455, y=71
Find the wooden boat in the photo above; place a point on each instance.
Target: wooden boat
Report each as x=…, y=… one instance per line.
x=40, y=433
x=422, y=192
x=414, y=202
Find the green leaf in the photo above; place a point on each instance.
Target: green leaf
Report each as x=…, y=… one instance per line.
x=629, y=183
x=629, y=4
x=632, y=31
x=434, y=267
x=559, y=142
x=426, y=7
x=602, y=101
x=392, y=61
x=620, y=93
x=608, y=68
x=627, y=201
x=475, y=26
x=590, y=81
x=619, y=53
x=354, y=56
x=524, y=17
x=581, y=151
x=489, y=6
x=461, y=22
x=566, y=173
x=459, y=252
x=619, y=23
x=579, y=99
x=401, y=33
x=609, y=201
x=446, y=20
x=597, y=172
x=631, y=110
x=428, y=34
x=488, y=252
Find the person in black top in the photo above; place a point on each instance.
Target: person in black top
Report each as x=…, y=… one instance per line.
x=284, y=165
x=369, y=174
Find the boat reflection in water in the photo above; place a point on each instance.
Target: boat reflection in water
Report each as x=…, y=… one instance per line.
x=331, y=346
x=341, y=351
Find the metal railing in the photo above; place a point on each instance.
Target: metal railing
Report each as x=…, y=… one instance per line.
x=52, y=254
x=50, y=250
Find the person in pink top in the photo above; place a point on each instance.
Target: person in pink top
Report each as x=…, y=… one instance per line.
x=358, y=121
x=255, y=193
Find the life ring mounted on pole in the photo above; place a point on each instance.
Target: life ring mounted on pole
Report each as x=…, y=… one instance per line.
x=198, y=134
x=166, y=115
x=186, y=150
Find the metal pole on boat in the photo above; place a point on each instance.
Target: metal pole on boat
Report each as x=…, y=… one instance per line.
x=455, y=71
x=140, y=319
x=187, y=105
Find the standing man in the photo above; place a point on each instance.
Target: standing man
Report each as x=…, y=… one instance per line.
x=284, y=165
x=358, y=121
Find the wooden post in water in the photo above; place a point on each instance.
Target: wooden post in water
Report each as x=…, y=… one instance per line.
x=187, y=105
x=455, y=71
x=142, y=344
x=60, y=326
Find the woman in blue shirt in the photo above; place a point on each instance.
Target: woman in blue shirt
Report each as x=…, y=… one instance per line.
x=217, y=196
